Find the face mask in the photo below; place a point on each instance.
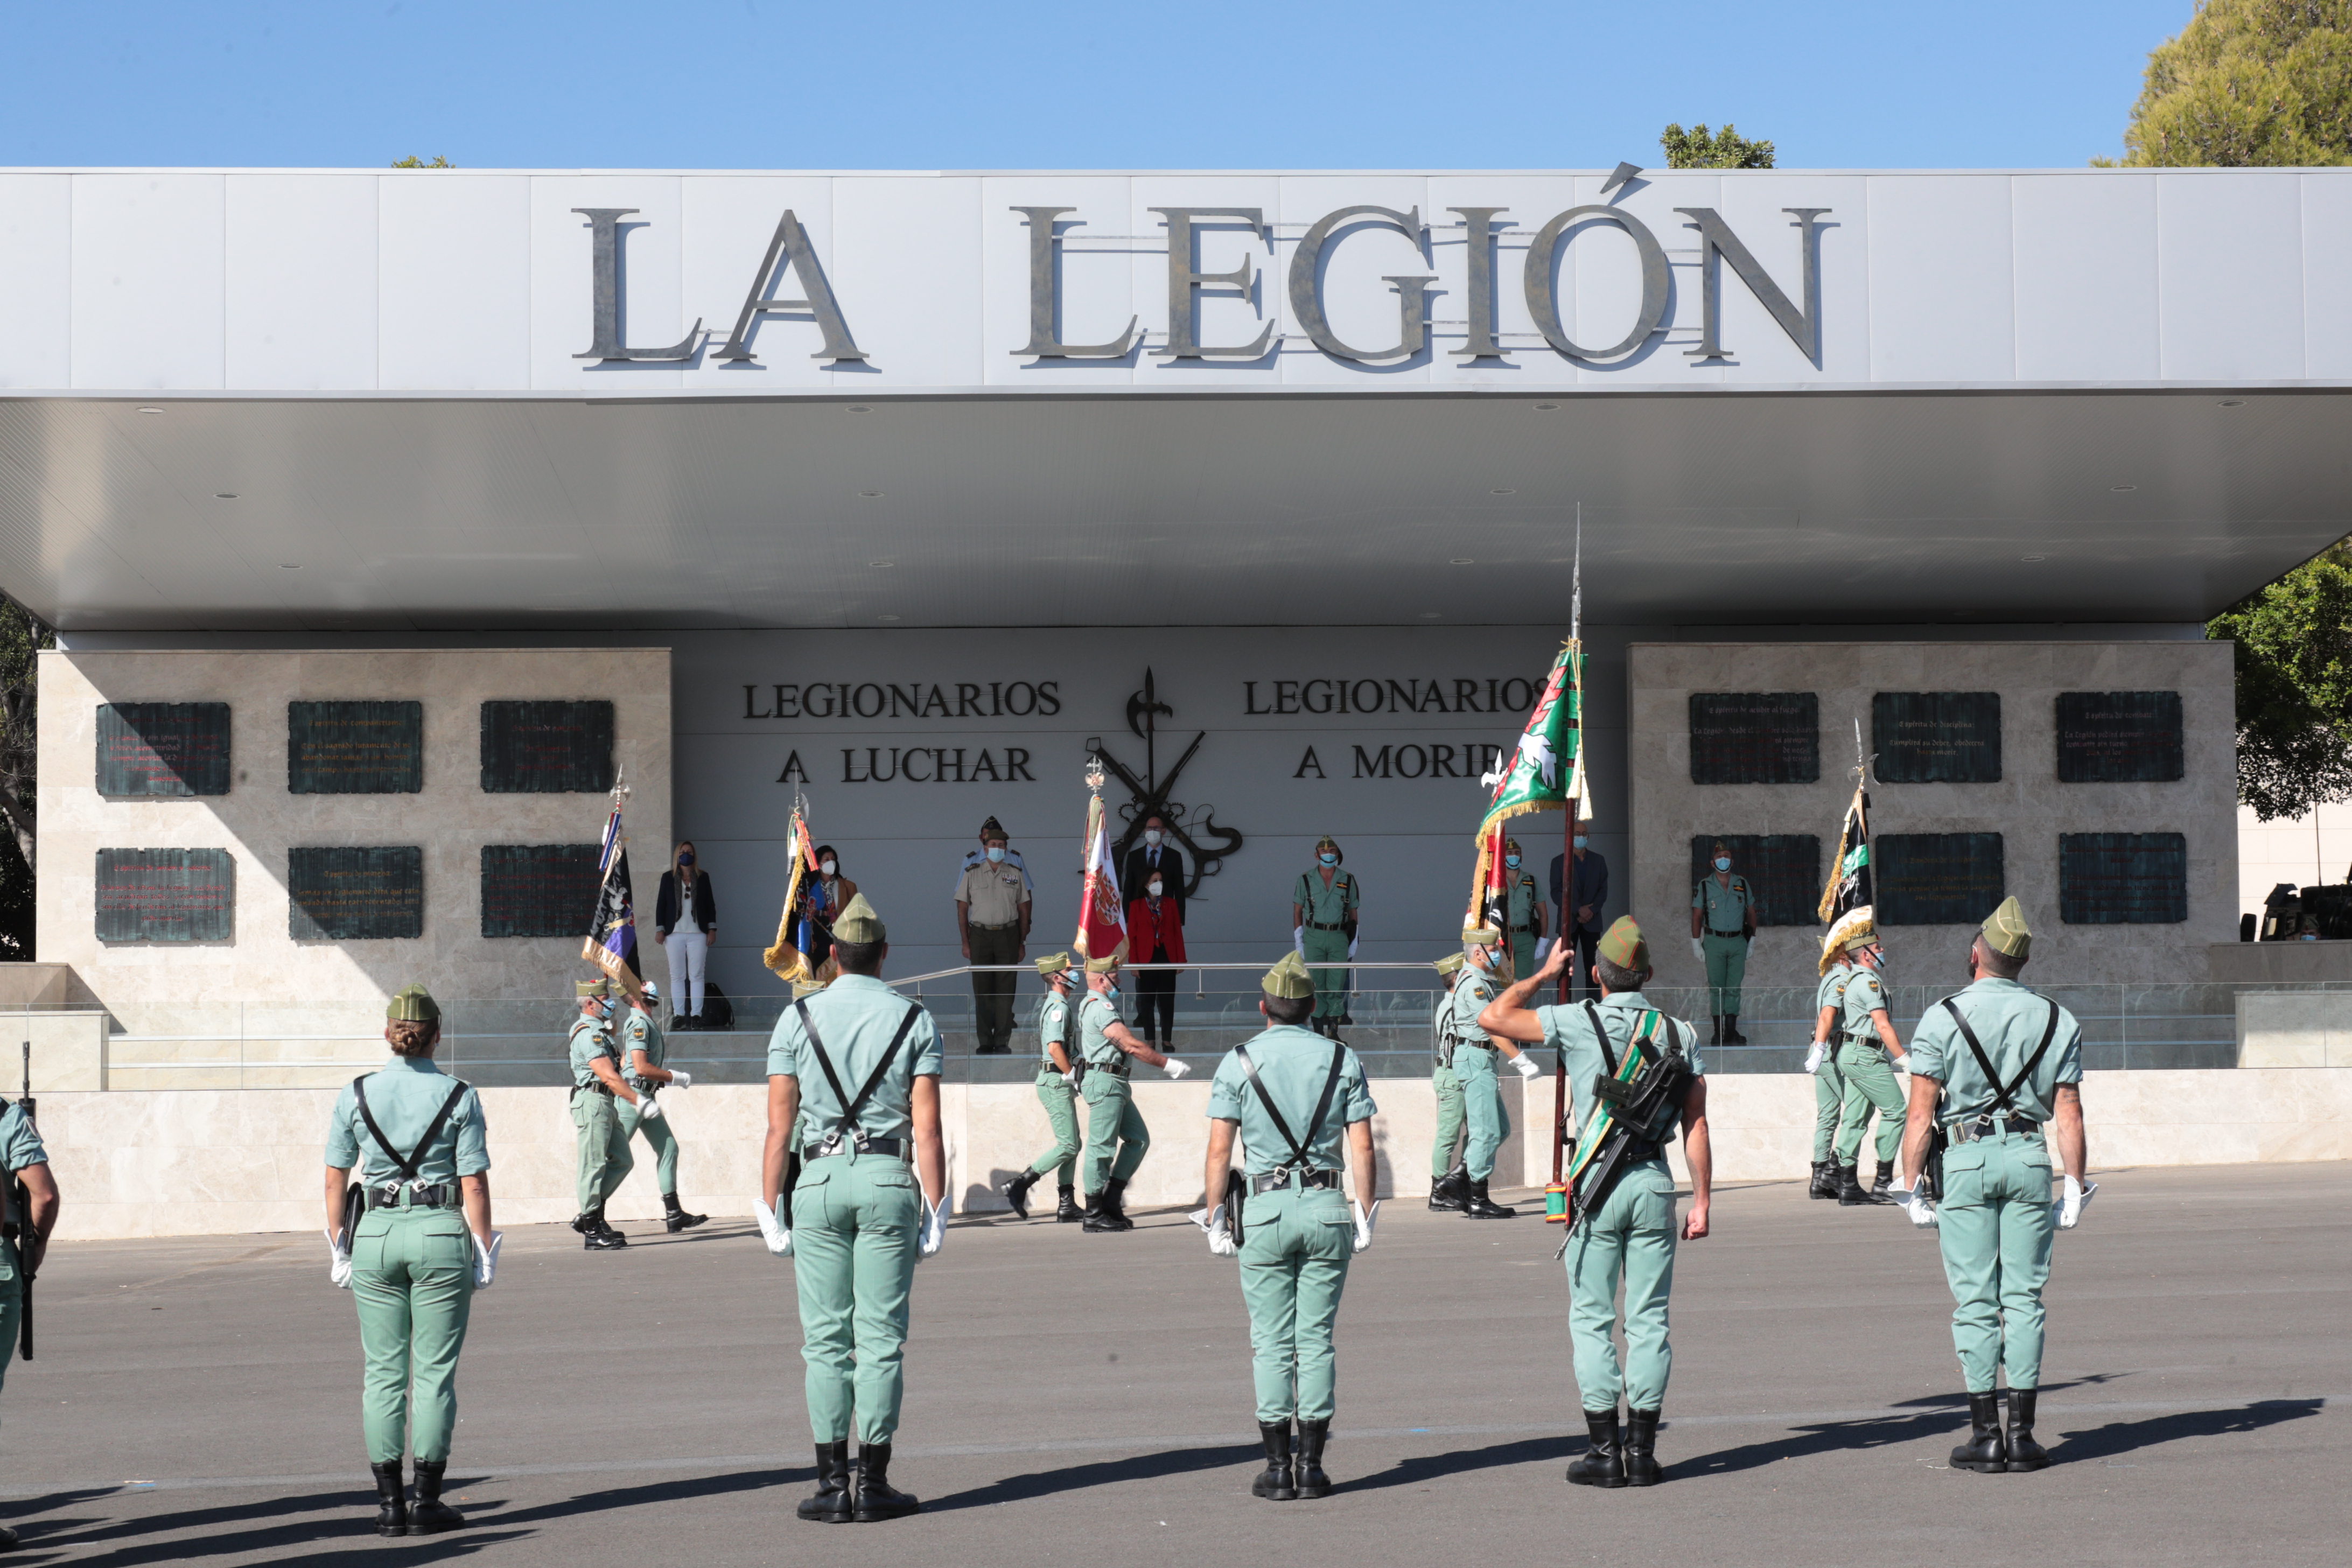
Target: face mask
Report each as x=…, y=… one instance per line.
x=1111, y=994
x=995, y=854
x=1153, y=889
x=1511, y=860
x=687, y=858
x=831, y=868
x=1328, y=859
x=1722, y=862
x=1151, y=837
x=1580, y=841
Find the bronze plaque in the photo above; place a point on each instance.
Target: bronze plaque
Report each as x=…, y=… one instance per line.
x=2119, y=737
x=367, y=893
x=547, y=748
x=166, y=895
x=354, y=748
x=1939, y=878
x=538, y=890
x=1755, y=737
x=2123, y=878
x=1936, y=737
x=163, y=748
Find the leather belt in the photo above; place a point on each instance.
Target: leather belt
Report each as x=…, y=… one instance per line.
x=1119, y=1070
x=1477, y=1045
x=1008, y=925
x=1310, y=1181
x=423, y=1196
x=1319, y=925
x=1529, y=930
x=1742, y=932
x=1976, y=1127
x=895, y=1146
x=592, y=1089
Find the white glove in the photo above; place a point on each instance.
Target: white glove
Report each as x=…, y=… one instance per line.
x=680, y=1079
x=648, y=1109
x=1221, y=1240
x=1916, y=1204
x=1298, y=941
x=339, y=1262
x=1364, y=1222
x=2068, y=1210
x=1698, y=949
x=1174, y=1068
x=1351, y=947
x=1813, y=1057
x=934, y=1231
x=1543, y=951
x=1071, y=1077
x=486, y=1258
x=1525, y=1066
x=772, y=1229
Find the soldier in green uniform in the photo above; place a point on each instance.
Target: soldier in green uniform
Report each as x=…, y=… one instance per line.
x=422, y=1248
x=1528, y=910
x=1056, y=1071
x=863, y=1063
x=1289, y=1096
x=1475, y=1068
x=26, y=1236
x=1821, y=1062
x=1629, y=1232
x=1864, y=1064
x=643, y=1068
x=596, y=1087
x=1449, y=1178
x=1117, y=1139
x=1994, y=1065
x=1723, y=922
x=1322, y=911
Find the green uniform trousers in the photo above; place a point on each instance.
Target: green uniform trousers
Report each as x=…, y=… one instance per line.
x=1117, y=1139
x=12, y=1300
x=1450, y=1119
x=1482, y=1107
x=1294, y=1254
x=1869, y=1086
x=1523, y=954
x=854, y=1225
x=1060, y=1100
x=991, y=995
x=1995, y=1225
x=658, y=1137
x=413, y=1277
x=1631, y=1236
x=604, y=1158
x=1331, y=984
x=1727, y=970
x=1829, y=1103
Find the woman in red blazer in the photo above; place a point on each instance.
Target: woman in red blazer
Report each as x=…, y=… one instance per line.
x=1155, y=934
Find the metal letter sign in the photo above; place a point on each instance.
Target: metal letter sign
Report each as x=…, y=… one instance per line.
x=1803, y=325
x=792, y=243
x=1183, y=340
x=1306, y=285
x=1045, y=296
x=1542, y=280
x=605, y=310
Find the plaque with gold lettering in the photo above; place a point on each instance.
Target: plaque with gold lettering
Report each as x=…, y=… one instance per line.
x=166, y=895
x=1936, y=737
x=1755, y=737
x=163, y=748
x=2119, y=737
x=1939, y=878
x=1783, y=870
x=538, y=889
x=2123, y=878
x=354, y=748
x=356, y=893
x=547, y=748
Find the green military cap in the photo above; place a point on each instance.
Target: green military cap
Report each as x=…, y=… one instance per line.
x=1513, y=845
x=859, y=924
x=1624, y=945
x=1053, y=963
x=1448, y=964
x=1481, y=936
x=411, y=1003
x=2004, y=929
x=587, y=988
x=1289, y=979
x=1107, y=965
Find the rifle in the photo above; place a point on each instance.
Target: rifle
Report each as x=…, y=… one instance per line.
x=21, y=1226
x=1644, y=1092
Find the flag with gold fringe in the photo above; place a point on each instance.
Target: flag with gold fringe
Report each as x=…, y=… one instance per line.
x=612, y=940
x=800, y=933
x=1102, y=912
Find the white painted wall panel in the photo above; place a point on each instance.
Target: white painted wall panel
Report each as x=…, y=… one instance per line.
x=301, y=279
x=910, y=279
x=2327, y=276
x=1941, y=272
x=456, y=279
x=36, y=280
x=147, y=282
x=2087, y=276
x=2229, y=276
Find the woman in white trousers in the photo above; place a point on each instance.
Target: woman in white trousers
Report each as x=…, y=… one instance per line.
x=686, y=922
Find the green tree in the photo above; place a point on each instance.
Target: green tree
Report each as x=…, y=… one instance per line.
x=414, y=162
x=2295, y=687
x=2249, y=82
x=21, y=636
x=1725, y=149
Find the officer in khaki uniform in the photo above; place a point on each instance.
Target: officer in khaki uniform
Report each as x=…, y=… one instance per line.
x=1056, y=1071
x=1289, y=1095
x=422, y=1247
x=1820, y=1061
x=644, y=1068
x=1722, y=920
x=597, y=1088
x=1630, y=1232
x=26, y=1235
x=1475, y=1068
x=1994, y=1067
x=1526, y=912
x=1117, y=1139
x=993, y=917
x=1449, y=1177
x=1323, y=905
x=862, y=1063
x=1865, y=1064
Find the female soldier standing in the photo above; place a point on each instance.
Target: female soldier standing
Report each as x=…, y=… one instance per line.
x=422, y=1245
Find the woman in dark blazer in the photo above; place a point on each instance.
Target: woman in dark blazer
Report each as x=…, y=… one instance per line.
x=684, y=925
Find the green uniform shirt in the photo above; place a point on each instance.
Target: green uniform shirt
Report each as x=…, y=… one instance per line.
x=641, y=1034
x=1053, y=1028
x=1567, y=1028
x=403, y=1096
x=1294, y=1064
x=858, y=1015
x=2008, y=1019
x=1864, y=993
x=20, y=1140
x=590, y=1038
x=1831, y=993
x=1095, y=1018
x=1325, y=905
x=1726, y=908
x=1473, y=989
x=1525, y=902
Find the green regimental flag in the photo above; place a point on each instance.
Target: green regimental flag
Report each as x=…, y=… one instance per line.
x=1548, y=770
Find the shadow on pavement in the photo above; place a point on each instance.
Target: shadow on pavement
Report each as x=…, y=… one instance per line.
x=2130, y=1436
x=1429, y=1468
x=1825, y=1438
x=1102, y=1472
x=683, y=1489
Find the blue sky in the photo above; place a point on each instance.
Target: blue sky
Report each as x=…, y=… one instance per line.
x=877, y=84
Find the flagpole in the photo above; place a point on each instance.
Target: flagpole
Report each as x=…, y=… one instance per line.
x=1567, y=882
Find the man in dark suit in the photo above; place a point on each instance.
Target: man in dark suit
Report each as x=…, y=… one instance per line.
x=1153, y=854
x=1580, y=896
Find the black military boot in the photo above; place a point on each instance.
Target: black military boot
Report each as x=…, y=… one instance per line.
x=1478, y=1205
x=1984, y=1452
x=1641, y=1448
x=2024, y=1452
x=430, y=1516
x=1016, y=1192
x=876, y=1497
x=1882, y=1185
x=1065, y=1208
x=602, y=1237
x=1716, y=1038
x=1452, y=1190
x=1604, y=1463
x=1277, y=1481
x=1850, y=1191
x=1312, y=1481
x=1731, y=1035
x=1104, y=1212
x=675, y=1218
x=391, y=1501
x=1825, y=1182
x=833, y=1502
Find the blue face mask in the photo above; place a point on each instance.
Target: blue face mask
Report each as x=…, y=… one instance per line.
x=1580, y=841
x=1722, y=862
x=1111, y=994
x=1512, y=861
x=1328, y=859
x=997, y=854
x=687, y=858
